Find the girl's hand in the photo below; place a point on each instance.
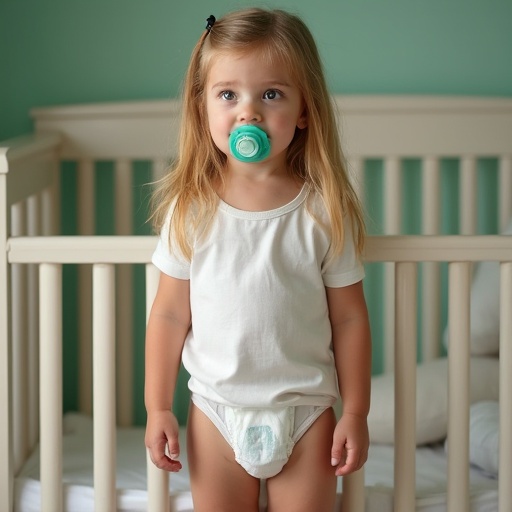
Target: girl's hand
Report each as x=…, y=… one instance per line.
x=162, y=432
x=350, y=444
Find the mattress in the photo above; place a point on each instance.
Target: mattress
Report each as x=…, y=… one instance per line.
x=431, y=466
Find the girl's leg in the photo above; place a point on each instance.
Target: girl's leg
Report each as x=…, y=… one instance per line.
x=217, y=481
x=307, y=482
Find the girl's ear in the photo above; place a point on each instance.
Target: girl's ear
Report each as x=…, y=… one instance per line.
x=302, y=122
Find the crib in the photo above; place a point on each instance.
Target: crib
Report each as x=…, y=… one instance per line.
x=425, y=278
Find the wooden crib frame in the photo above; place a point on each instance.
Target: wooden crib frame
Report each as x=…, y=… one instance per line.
x=32, y=255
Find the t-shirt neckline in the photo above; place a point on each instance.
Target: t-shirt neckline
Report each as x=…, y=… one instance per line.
x=266, y=214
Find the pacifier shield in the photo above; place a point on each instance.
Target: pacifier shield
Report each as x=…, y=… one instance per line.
x=249, y=144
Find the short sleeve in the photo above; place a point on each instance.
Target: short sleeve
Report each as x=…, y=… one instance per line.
x=170, y=261
x=346, y=268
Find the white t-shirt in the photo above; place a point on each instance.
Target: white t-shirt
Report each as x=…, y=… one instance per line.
x=261, y=335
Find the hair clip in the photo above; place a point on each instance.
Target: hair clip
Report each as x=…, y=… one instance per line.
x=210, y=21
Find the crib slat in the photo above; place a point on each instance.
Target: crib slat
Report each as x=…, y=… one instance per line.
x=388, y=307
x=505, y=191
x=48, y=213
x=104, y=388
x=405, y=387
x=158, y=480
x=431, y=197
x=124, y=292
x=468, y=204
x=158, y=489
x=85, y=200
x=124, y=329
x=392, y=196
x=352, y=498
x=356, y=174
x=50, y=203
x=50, y=314
x=505, y=460
x=19, y=344
x=392, y=226
x=459, y=277
x=33, y=228
x=431, y=214
x=123, y=197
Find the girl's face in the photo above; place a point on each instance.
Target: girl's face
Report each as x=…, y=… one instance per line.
x=246, y=90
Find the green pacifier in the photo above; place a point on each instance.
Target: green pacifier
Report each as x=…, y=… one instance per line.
x=249, y=144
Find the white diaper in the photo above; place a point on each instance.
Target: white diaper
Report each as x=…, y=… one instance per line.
x=262, y=439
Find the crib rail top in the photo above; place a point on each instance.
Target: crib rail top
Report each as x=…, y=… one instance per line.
x=138, y=249
x=370, y=127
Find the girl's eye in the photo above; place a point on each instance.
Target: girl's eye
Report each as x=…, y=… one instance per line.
x=227, y=95
x=271, y=94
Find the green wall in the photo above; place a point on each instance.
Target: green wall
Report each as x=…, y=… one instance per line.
x=74, y=51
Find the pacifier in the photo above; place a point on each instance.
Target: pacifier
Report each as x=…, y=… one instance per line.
x=249, y=144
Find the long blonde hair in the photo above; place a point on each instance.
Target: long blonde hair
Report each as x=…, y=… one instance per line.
x=314, y=154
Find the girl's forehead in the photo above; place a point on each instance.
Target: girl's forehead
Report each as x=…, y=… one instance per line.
x=261, y=61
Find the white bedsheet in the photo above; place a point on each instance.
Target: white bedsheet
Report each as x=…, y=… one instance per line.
x=131, y=476
x=431, y=471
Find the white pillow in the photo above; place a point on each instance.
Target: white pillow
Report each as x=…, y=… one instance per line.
x=431, y=398
x=484, y=436
x=485, y=308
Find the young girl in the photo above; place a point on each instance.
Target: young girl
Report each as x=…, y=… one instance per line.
x=260, y=293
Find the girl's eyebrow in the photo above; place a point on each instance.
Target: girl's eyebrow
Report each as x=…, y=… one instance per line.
x=267, y=83
x=223, y=84
x=277, y=83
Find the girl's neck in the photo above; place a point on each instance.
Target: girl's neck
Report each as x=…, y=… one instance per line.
x=252, y=190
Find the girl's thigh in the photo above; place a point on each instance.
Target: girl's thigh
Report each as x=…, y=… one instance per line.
x=307, y=482
x=217, y=481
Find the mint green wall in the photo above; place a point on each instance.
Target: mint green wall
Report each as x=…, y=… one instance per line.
x=73, y=51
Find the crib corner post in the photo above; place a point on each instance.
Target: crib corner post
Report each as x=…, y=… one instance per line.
x=505, y=428
x=6, y=442
x=6, y=461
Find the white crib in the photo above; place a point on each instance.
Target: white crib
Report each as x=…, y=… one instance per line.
x=388, y=129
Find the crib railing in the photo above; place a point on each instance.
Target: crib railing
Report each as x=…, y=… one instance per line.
x=123, y=209
x=50, y=253
x=459, y=252
x=431, y=205
x=397, y=129
x=102, y=253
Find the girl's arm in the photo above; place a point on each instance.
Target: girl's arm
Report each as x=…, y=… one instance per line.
x=168, y=326
x=352, y=353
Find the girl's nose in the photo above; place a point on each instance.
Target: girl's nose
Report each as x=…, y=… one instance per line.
x=249, y=113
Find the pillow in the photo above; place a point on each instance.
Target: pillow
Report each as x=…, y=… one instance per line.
x=484, y=436
x=431, y=398
x=76, y=422
x=485, y=308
